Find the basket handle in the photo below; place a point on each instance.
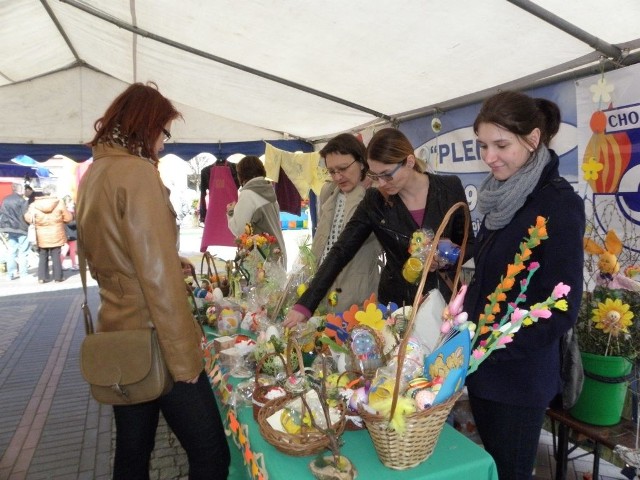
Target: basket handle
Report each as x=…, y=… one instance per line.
x=211, y=262
x=262, y=361
x=402, y=350
x=293, y=344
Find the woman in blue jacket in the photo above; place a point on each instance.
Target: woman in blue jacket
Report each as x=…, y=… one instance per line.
x=511, y=390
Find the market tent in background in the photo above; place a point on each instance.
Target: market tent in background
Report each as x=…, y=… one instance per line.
x=252, y=71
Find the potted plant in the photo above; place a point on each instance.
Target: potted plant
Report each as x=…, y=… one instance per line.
x=609, y=338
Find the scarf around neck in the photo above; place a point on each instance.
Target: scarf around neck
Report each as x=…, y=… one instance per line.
x=499, y=200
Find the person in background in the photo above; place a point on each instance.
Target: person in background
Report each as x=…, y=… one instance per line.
x=29, y=194
x=127, y=231
x=71, y=232
x=49, y=214
x=511, y=390
x=345, y=159
x=13, y=224
x=257, y=204
x=406, y=199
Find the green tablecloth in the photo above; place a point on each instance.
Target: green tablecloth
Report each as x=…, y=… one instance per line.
x=455, y=456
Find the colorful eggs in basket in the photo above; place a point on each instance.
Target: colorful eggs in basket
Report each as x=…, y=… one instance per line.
x=424, y=398
x=292, y=420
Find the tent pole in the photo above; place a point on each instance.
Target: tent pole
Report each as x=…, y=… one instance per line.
x=600, y=45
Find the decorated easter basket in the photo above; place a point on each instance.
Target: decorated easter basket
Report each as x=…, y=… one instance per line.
x=260, y=391
x=308, y=441
x=401, y=451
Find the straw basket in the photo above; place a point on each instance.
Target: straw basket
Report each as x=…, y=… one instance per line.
x=402, y=451
x=260, y=391
x=308, y=441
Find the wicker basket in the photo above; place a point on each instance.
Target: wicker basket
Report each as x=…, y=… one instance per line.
x=417, y=442
x=221, y=282
x=308, y=441
x=260, y=391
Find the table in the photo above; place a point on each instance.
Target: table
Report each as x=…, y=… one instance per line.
x=454, y=457
x=621, y=434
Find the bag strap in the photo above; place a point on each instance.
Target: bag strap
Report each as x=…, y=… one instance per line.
x=88, y=319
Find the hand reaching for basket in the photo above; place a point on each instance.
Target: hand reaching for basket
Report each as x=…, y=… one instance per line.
x=293, y=318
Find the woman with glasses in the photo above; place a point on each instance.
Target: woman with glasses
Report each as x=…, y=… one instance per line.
x=406, y=199
x=127, y=232
x=344, y=156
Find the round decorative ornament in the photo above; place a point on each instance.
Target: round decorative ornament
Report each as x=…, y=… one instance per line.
x=436, y=125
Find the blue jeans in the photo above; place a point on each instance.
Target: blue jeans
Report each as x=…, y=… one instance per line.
x=192, y=414
x=18, y=260
x=510, y=434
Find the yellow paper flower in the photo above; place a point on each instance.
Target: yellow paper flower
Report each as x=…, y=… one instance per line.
x=371, y=317
x=591, y=169
x=561, y=305
x=612, y=317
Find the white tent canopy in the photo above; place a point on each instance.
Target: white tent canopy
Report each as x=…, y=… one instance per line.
x=265, y=69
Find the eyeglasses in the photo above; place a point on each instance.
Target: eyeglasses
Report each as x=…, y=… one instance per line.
x=387, y=177
x=340, y=170
x=167, y=134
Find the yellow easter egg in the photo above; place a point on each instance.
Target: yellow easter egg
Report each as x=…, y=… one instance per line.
x=301, y=289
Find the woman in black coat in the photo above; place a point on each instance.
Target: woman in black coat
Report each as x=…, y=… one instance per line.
x=405, y=200
x=511, y=390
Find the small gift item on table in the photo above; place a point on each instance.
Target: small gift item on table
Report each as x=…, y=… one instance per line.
x=222, y=343
x=238, y=359
x=366, y=349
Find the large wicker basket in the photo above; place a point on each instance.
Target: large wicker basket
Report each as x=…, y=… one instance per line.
x=401, y=451
x=308, y=441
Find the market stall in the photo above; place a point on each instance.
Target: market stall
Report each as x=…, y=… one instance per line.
x=455, y=456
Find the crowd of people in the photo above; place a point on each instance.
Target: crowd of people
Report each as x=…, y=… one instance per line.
x=377, y=197
x=53, y=239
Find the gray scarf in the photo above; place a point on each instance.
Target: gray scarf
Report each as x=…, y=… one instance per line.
x=499, y=200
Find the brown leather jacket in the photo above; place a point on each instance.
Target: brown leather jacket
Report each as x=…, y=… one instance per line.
x=127, y=229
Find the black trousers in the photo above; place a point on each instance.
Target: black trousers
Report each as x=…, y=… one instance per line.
x=192, y=414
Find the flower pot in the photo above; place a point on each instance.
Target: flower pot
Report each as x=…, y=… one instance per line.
x=604, y=390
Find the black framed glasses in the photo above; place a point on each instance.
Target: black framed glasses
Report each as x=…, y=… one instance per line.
x=388, y=176
x=340, y=170
x=167, y=134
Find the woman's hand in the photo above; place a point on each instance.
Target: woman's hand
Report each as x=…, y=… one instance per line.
x=230, y=207
x=293, y=318
x=187, y=267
